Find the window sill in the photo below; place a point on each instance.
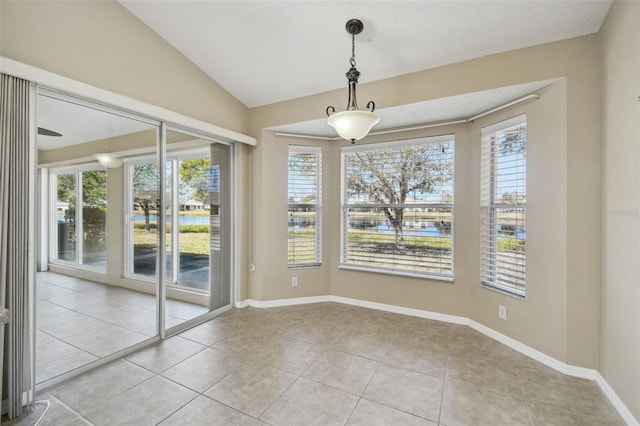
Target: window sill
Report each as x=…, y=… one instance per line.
x=308, y=266
x=505, y=292
x=400, y=273
x=77, y=267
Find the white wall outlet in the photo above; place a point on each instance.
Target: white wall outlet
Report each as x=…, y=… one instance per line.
x=502, y=312
x=252, y=267
x=294, y=281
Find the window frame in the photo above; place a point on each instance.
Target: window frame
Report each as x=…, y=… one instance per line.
x=345, y=206
x=317, y=206
x=129, y=203
x=489, y=245
x=52, y=175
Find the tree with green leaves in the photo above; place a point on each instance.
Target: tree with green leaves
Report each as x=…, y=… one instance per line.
x=389, y=176
x=94, y=188
x=194, y=175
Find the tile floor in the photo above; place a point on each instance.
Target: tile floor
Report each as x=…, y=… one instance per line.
x=325, y=364
x=79, y=321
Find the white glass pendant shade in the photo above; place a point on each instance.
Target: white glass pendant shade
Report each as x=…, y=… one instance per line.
x=353, y=125
x=108, y=160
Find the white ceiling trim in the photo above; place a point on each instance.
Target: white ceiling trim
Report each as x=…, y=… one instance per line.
x=65, y=84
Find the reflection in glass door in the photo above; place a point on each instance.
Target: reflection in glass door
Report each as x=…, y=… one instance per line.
x=193, y=222
x=197, y=182
x=220, y=190
x=143, y=218
x=99, y=293
x=79, y=222
x=64, y=231
x=87, y=309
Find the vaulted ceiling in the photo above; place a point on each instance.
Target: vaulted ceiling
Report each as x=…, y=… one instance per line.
x=268, y=51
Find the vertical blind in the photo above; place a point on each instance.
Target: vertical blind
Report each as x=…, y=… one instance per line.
x=16, y=272
x=304, y=213
x=504, y=206
x=397, y=210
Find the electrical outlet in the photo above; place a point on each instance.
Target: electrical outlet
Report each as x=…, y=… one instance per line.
x=502, y=312
x=252, y=267
x=294, y=281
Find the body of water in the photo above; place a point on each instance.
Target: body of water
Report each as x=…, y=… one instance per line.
x=411, y=228
x=183, y=219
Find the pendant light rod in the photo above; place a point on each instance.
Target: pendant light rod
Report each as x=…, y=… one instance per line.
x=354, y=26
x=353, y=124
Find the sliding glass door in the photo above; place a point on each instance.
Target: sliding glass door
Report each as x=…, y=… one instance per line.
x=132, y=249
x=196, y=228
x=86, y=310
x=197, y=224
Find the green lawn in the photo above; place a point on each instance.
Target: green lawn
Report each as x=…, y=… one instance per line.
x=190, y=242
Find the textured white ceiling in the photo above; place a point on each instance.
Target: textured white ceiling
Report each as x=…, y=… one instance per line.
x=268, y=51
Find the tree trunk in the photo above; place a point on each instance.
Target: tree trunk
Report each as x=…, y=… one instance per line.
x=147, y=224
x=396, y=222
x=399, y=236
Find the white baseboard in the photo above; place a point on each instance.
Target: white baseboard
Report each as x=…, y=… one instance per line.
x=453, y=319
x=545, y=359
x=282, y=302
x=624, y=412
x=570, y=370
x=242, y=303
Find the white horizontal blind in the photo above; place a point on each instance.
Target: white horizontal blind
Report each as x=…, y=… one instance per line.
x=305, y=194
x=398, y=207
x=504, y=206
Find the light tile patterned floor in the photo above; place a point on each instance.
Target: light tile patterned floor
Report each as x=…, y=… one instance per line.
x=79, y=321
x=326, y=364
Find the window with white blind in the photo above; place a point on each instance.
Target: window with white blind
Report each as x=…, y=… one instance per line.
x=504, y=205
x=397, y=207
x=305, y=195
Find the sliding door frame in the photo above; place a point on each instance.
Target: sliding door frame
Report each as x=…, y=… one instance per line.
x=230, y=199
x=160, y=156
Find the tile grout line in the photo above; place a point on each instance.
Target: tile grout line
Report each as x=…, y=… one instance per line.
x=444, y=377
x=524, y=398
x=394, y=340
x=277, y=398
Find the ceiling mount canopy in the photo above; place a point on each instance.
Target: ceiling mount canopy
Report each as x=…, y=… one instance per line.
x=353, y=124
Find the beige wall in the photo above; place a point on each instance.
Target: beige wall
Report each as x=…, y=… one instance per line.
x=620, y=341
x=541, y=320
x=102, y=44
x=560, y=315
x=272, y=278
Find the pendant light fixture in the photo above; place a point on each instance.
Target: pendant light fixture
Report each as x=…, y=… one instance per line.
x=353, y=124
x=109, y=160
